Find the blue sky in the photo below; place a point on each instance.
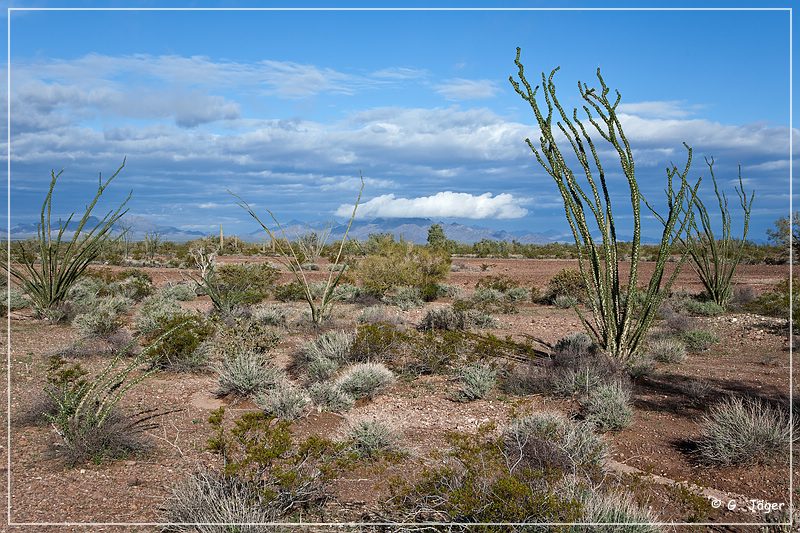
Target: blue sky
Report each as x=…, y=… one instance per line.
x=285, y=109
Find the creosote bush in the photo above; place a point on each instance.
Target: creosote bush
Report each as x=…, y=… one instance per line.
x=103, y=318
x=566, y=283
x=396, y=264
x=180, y=349
x=745, y=431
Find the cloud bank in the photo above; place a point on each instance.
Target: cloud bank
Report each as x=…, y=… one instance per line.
x=445, y=204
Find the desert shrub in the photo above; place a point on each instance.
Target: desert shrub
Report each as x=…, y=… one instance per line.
x=332, y=345
x=445, y=318
x=329, y=397
x=346, y=292
x=564, y=301
x=180, y=349
x=84, y=294
x=246, y=373
x=397, y=264
x=479, y=483
x=776, y=302
x=103, y=318
x=271, y=315
x=405, y=297
x=365, y=379
x=743, y=295
x=284, y=401
x=616, y=508
x=585, y=451
x=739, y=431
x=370, y=438
x=667, y=350
x=704, y=308
x=443, y=290
x=566, y=282
x=245, y=334
x=480, y=319
x=261, y=450
x=154, y=311
x=132, y=283
x=483, y=296
x=321, y=369
x=518, y=294
x=673, y=320
x=476, y=380
x=566, y=382
x=501, y=283
x=640, y=366
x=13, y=297
x=574, y=345
x=378, y=342
x=179, y=291
x=378, y=314
x=608, y=407
x=236, y=285
x=290, y=292
x=215, y=500
x=698, y=340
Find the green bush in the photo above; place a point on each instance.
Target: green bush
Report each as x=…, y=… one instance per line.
x=370, y=438
x=737, y=431
x=397, y=264
x=290, y=292
x=378, y=342
x=608, y=407
x=476, y=380
x=698, y=340
x=365, y=380
x=566, y=282
x=775, y=303
x=180, y=349
x=244, y=284
x=704, y=308
x=667, y=350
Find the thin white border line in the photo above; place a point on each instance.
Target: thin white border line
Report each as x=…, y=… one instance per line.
x=348, y=524
x=400, y=9
x=791, y=287
x=8, y=271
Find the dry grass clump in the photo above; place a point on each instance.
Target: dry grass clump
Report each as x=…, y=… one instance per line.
x=370, y=438
x=667, y=350
x=328, y=396
x=476, y=380
x=246, y=373
x=745, y=431
x=365, y=380
x=608, y=407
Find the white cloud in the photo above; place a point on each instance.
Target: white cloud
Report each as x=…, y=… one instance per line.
x=463, y=89
x=660, y=109
x=441, y=204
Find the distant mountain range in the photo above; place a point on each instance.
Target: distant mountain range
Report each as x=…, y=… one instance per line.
x=410, y=229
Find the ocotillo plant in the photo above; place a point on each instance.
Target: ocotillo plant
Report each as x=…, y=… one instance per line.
x=617, y=327
x=289, y=257
x=715, y=260
x=48, y=274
